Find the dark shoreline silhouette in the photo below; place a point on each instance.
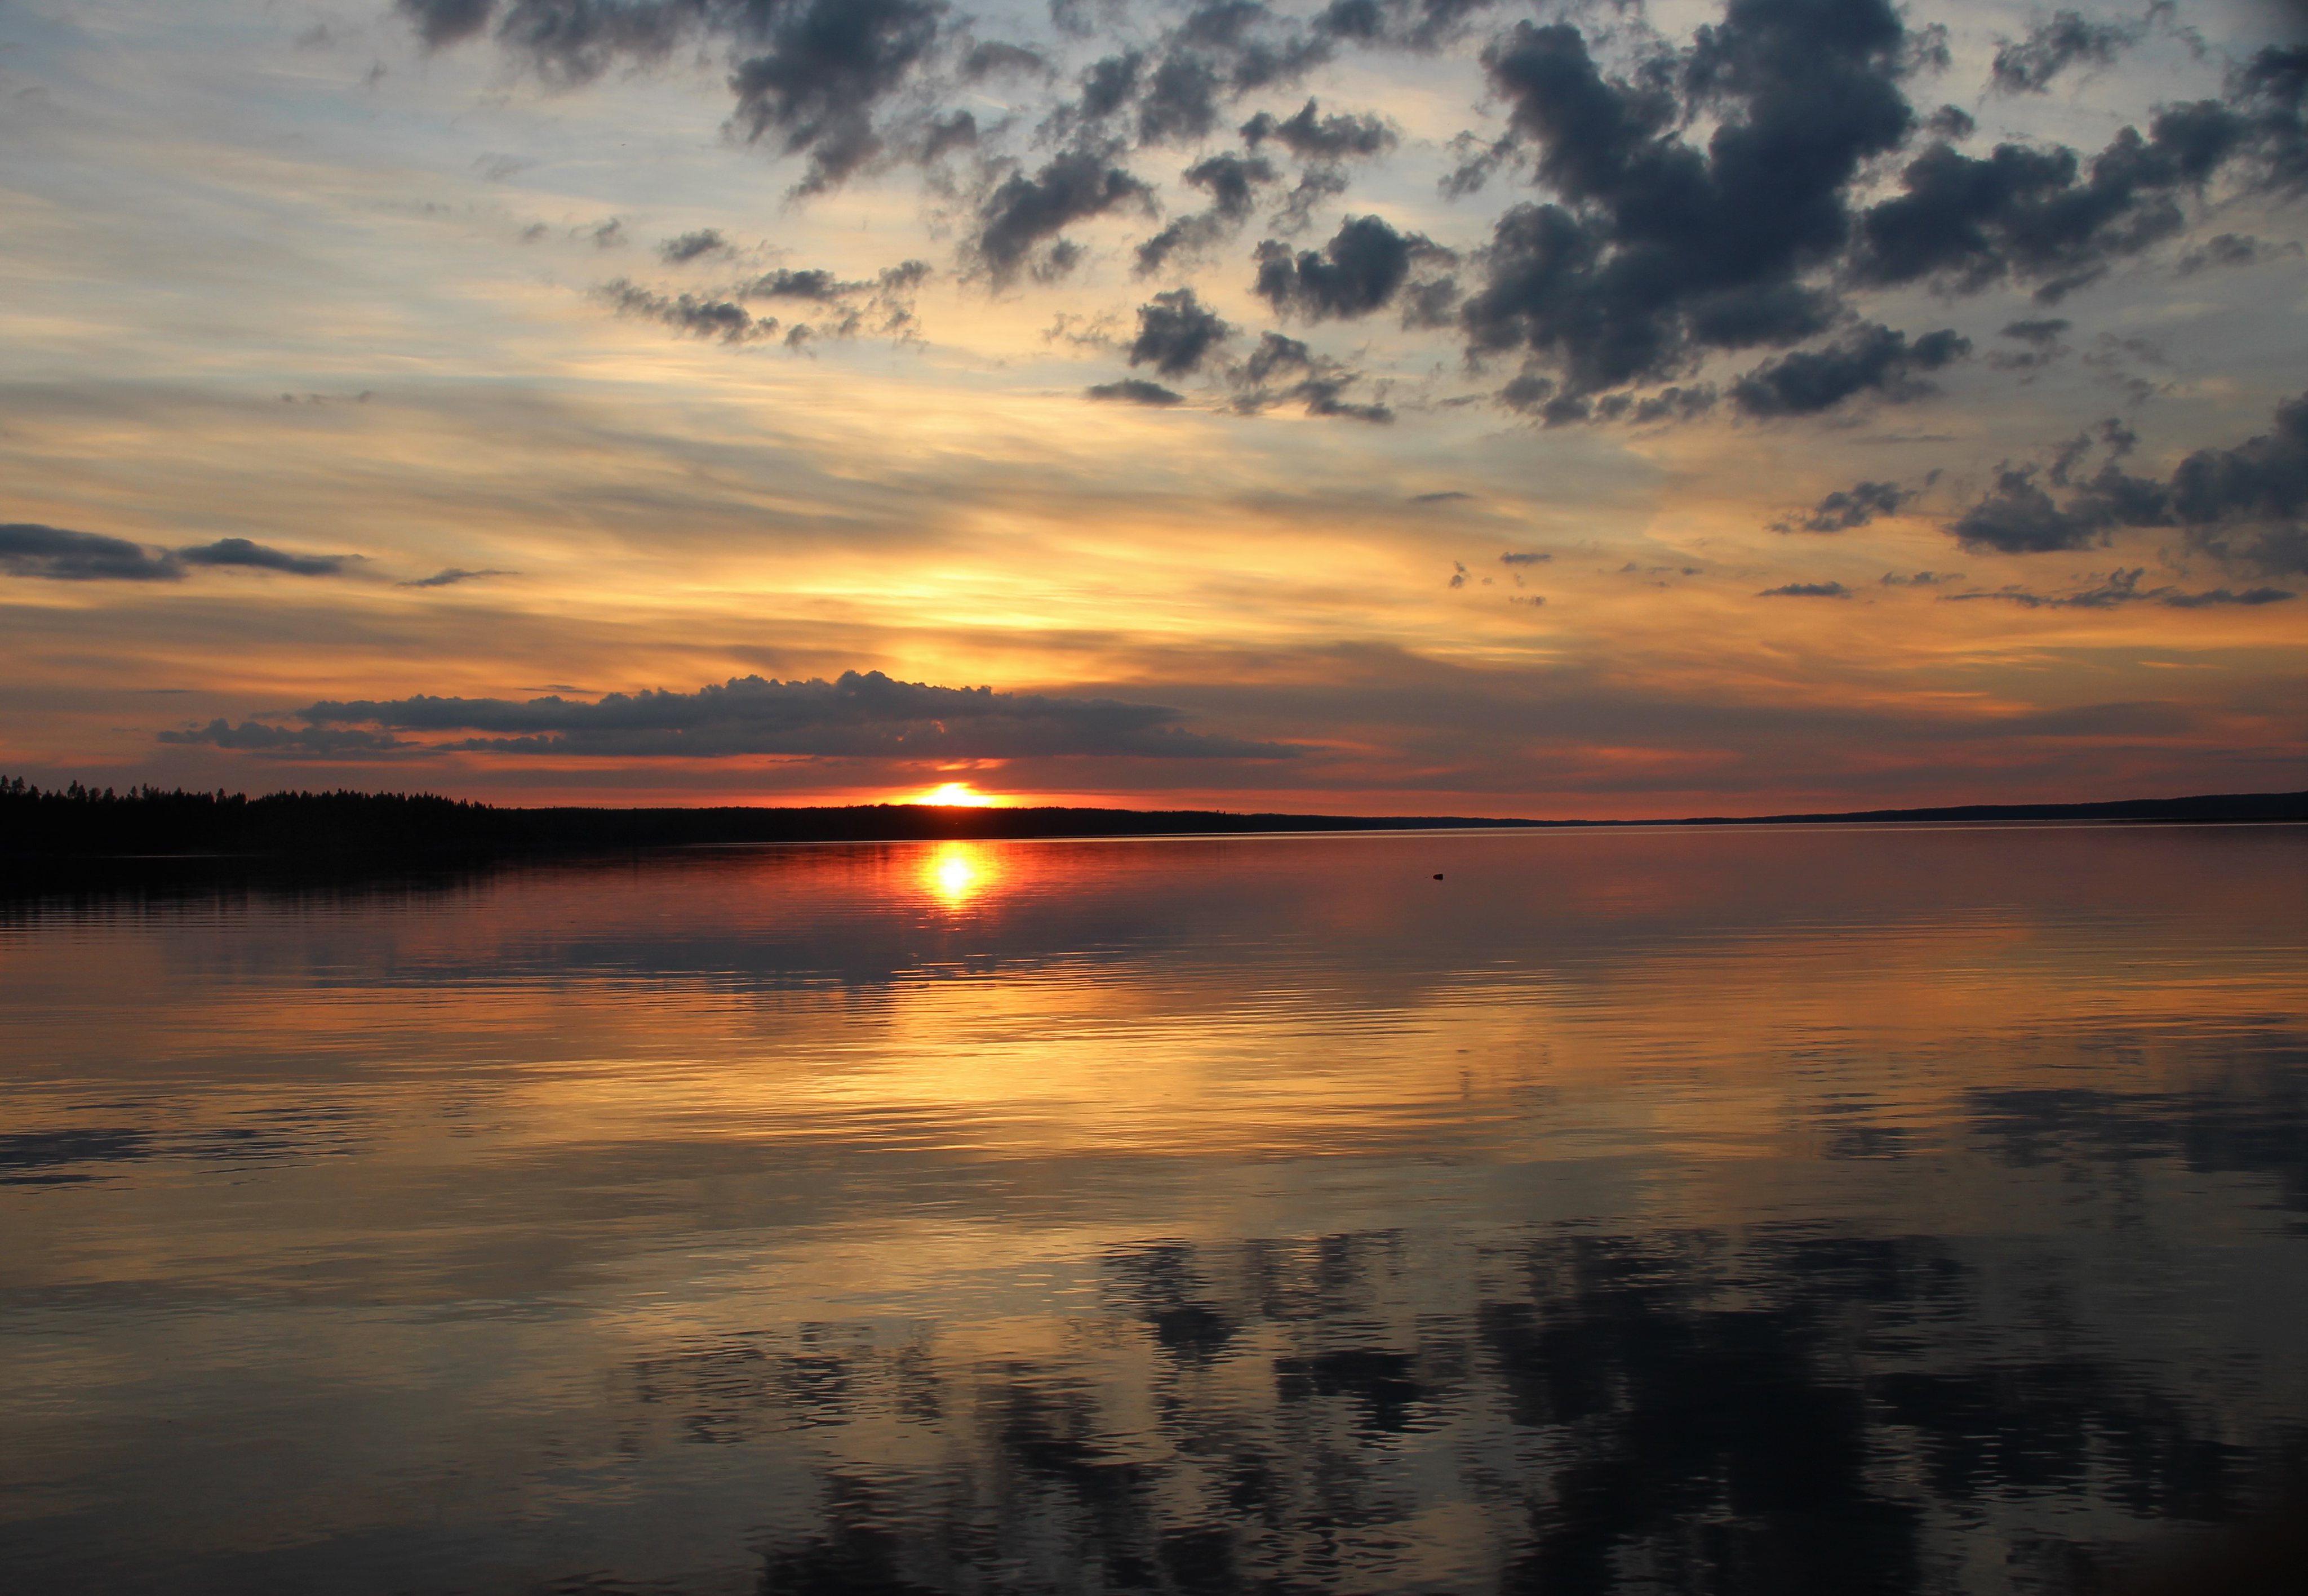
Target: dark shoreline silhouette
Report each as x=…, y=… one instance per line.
x=83, y=825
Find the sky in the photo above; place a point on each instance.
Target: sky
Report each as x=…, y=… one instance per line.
x=1385, y=406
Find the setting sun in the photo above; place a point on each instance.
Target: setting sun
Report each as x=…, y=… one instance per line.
x=957, y=795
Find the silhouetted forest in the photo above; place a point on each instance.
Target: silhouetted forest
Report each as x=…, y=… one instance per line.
x=76, y=821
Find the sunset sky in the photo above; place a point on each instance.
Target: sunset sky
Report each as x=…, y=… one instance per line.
x=1356, y=406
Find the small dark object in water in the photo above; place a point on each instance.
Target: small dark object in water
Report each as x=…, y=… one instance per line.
x=1438, y=875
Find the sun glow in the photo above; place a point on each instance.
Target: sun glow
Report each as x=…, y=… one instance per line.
x=957, y=795
x=957, y=871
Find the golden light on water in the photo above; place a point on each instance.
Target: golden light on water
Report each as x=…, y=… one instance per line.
x=958, y=872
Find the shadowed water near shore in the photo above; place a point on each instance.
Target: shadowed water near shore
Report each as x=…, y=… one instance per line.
x=1790, y=1209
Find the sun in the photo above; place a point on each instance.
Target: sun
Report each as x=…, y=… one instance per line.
x=957, y=795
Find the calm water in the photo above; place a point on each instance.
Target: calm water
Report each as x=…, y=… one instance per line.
x=1745, y=1210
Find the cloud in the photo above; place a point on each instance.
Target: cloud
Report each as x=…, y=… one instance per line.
x=827, y=64
x=1176, y=333
x=451, y=576
x=2122, y=587
x=1423, y=25
x=1284, y=370
x=1847, y=508
x=1308, y=134
x=1526, y=557
x=2043, y=216
x=858, y=716
x=1448, y=496
x=806, y=74
x=2029, y=65
x=1657, y=249
x=992, y=59
x=254, y=737
x=1023, y=211
x=1232, y=181
x=1808, y=590
x=1357, y=272
x=1872, y=358
x=692, y=246
x=2231, y=249
x=58, y=554
x=256, y=556
x=1134, y=391
x=1922, y=579
x=2245, y=506
x=695, y=315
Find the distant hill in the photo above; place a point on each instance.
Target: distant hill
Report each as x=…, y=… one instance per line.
x=77, y=822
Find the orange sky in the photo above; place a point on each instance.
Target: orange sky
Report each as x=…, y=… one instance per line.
x=353, y=364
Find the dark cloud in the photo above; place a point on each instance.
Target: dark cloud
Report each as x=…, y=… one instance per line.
x=698, y=315
x=2245, y=506
x=692, y=246
x=1134, y=391
x=1951, y=123
x=1847, y=507
x=1525, y=557
x=1283, y=369
x=1308, y=134
x=59, y=555
x=1025, y=212
x=863, y=716
x=452, y=576
x=2029, y=65
x=1808, y=590
x=2041, y=331
x=2043, y=216
x=827, y=65
x=1657, y=249
x=1176, y=92
x=1176, y=333
x=2119, y=587
x=808, y=75
x=256, y=556
x=993, y=59
x=1922, y=579
x=2231, y=249
x=1870, y=359
x=312, y=741
x=1448, y=496
x=1357, y=272
x=1324, y=145
x=1422, y=25
x=1232, y=181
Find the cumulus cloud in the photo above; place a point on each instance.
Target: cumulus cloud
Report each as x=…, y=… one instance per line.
x=1176, y=333
x=1232, y=182
x=1357, y=272
x=1655, y=249
x=59, y=555
x=693, y=246
x=1870, y=359
x=1133, y=391
x=1808, y=590
x=1847, y=508
x=1021, y=223
x=698, y=315
x=2027, y=65
x=808, y=76
x=1285, y=370
x=2246, y=505
x=857, y=716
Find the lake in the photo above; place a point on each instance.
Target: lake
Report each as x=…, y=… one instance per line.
x=1743, y=1209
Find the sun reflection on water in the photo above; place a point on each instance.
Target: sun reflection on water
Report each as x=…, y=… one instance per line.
x=958, y=872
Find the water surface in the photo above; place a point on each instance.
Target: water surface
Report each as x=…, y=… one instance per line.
x=1771, y=1210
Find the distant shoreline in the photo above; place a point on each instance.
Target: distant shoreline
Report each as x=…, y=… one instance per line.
x=49, y=831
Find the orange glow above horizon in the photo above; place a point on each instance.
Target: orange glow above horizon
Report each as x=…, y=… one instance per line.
x=959, y=794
